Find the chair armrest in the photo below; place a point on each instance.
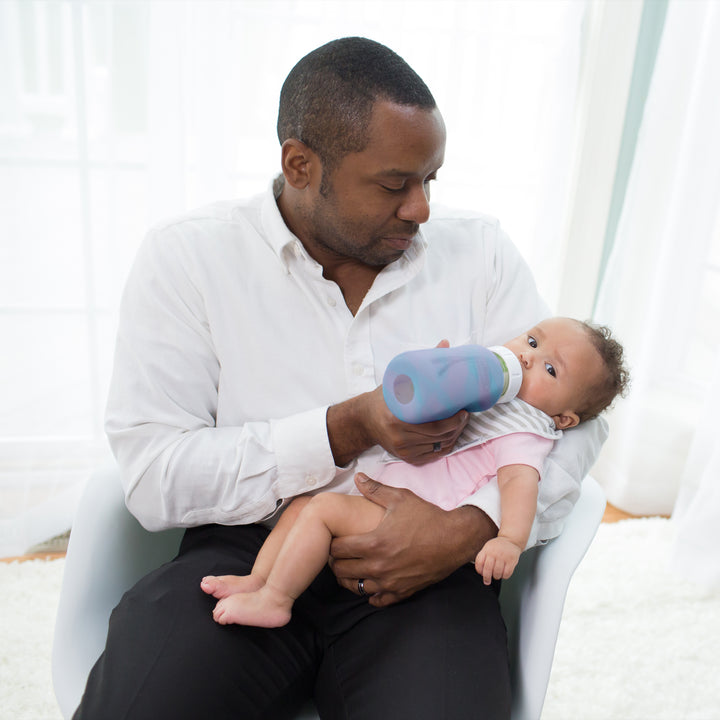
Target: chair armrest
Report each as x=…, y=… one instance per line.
x=108, y=552
x=532, y=601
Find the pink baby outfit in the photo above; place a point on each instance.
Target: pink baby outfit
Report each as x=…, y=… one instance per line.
x=513, y=433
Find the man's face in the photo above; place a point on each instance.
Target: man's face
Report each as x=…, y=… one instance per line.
x=376, y=199
x=559, y=363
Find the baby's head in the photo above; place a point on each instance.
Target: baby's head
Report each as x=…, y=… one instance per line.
x=572, y=370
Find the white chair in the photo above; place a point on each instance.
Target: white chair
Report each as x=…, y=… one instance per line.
x=532, y=601
x=109, y=551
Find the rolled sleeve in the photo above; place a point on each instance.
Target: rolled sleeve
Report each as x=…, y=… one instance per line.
x=304, y=459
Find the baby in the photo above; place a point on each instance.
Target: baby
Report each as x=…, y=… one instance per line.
x=572, y=371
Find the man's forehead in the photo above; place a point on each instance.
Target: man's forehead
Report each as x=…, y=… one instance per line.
x=405, y=144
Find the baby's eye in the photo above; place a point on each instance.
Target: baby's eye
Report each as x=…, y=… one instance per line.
x=532, y=342
x=550, y=369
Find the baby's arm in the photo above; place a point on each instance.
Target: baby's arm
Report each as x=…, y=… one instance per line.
x=518, y=502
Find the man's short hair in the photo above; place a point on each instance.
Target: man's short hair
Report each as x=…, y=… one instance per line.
x=327, y=99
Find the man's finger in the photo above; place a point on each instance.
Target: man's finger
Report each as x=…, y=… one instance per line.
x=444, y=429
x=373, y=490
x=384, y=599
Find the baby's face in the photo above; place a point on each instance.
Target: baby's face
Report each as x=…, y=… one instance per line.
x=559, y=363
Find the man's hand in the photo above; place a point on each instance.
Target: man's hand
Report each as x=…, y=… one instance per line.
x=417, y=544
x=497, y=559
x=414, y=443
x=365, y=420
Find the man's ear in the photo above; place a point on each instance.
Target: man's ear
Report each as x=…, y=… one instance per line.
x=300, y=165
x=566, y=420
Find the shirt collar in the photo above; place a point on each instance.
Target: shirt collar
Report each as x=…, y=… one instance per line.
x=277, y=233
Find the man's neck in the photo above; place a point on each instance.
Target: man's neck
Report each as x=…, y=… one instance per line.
x=354, y=280
x=353, y=277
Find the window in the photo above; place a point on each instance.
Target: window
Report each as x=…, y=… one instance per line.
x=115, y=115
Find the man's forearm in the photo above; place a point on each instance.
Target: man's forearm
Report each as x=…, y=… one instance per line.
x=355, y=425
x=469, y=529
x=347, y=432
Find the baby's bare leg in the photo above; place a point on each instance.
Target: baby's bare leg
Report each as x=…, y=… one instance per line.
x=224, y=585
x=303, y=555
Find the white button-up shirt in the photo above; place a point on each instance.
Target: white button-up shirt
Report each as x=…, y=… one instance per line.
x=232, y=345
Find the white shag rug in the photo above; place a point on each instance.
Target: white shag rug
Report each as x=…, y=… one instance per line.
x=636, y=643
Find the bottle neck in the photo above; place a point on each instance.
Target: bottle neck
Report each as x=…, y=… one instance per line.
x=506, y=374
x=512, y=372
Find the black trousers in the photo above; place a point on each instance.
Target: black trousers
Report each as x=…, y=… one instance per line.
x=440, y=654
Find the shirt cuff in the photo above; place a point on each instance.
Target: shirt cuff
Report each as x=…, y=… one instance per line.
x=304, y=459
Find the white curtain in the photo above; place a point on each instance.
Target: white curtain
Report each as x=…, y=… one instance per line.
x=661, y=292
x=114, y=115
x=697, y=511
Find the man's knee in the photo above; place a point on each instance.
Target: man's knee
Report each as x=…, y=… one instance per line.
x=440, y=654
x=166, y=657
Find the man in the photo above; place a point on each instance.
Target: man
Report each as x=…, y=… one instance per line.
x=252, y=342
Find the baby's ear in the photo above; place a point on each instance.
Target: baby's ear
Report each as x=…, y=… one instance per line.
x=565, y=421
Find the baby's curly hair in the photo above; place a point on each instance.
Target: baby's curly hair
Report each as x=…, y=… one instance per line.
x=616, y=380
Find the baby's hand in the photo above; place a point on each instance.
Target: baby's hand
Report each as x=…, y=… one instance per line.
x=497, y=559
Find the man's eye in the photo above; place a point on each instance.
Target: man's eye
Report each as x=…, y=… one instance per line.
x=392, y=189
x=550, y=369
x=532, y=342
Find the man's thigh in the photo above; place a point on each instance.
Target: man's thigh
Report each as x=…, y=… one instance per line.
x=440, y=654
x=166, y=657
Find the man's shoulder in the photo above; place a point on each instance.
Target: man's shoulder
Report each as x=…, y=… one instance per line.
x=450, y=229
x=238, y=212
x=448, y=213
x=456, y=222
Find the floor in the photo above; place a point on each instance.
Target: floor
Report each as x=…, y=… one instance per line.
x=613, y=514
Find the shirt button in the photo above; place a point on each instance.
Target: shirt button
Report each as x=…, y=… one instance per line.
x=331, y=301
x=311, y=480
x=358, y=369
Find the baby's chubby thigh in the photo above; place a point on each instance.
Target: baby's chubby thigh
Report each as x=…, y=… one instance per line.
x=344, y=514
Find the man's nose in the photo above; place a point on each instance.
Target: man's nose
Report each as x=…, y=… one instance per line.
x=416, y=205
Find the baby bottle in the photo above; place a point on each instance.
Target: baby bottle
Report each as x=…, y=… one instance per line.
x=432, y=384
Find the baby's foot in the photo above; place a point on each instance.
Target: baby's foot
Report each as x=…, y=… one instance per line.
x=254, y=608
x=220, y=586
